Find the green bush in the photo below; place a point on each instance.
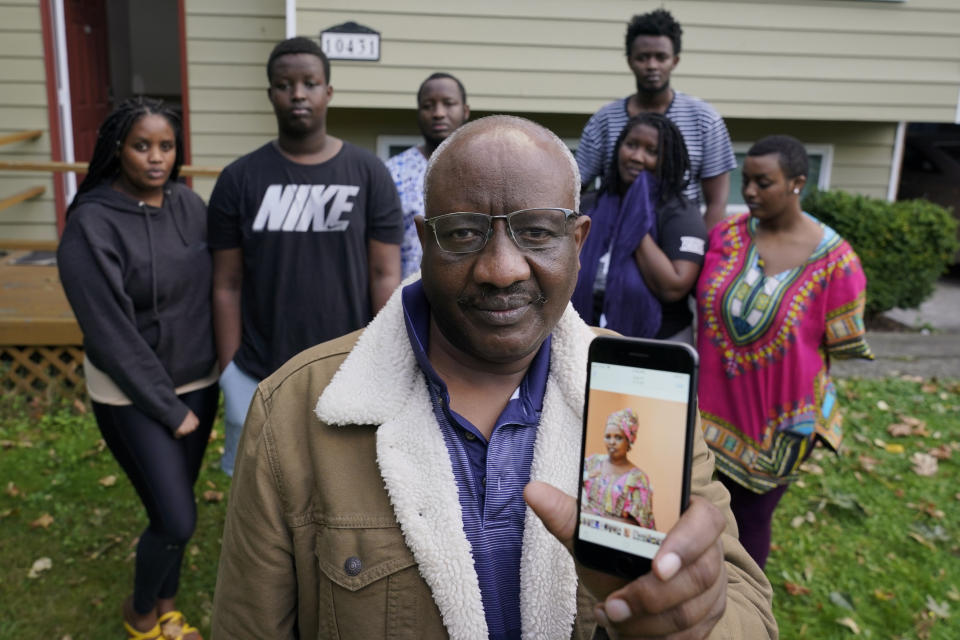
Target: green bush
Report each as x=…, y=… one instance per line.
x=904, y=246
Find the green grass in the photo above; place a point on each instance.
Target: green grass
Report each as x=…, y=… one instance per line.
x=55, y=460
x=892, y=569
x=882, y=550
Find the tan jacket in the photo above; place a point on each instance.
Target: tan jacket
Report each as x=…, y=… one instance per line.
x=344, y=520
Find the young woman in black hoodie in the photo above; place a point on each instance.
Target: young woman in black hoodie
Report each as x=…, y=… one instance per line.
x=134, y=264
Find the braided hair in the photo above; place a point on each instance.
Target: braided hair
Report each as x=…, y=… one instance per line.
x=105, y=163
x=673, y=161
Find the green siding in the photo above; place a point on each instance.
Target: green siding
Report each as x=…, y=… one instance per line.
x=23, y=106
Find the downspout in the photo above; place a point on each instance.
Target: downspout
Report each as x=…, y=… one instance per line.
x=63, y=96
x=291, y=18
x=897, y=163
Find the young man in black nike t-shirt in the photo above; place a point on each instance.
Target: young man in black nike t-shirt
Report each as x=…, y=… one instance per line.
x=305, y=233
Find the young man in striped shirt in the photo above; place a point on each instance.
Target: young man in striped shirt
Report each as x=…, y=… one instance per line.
x=653, y=51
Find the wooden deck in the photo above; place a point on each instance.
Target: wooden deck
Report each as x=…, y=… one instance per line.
x=33, y=308
x=40, y=352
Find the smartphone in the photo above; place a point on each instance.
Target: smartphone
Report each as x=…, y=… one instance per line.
x=638, y=419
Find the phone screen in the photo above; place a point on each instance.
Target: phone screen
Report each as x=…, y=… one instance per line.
x=634, y=456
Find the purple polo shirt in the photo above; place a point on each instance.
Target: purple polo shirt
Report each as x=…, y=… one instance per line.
x=490, y=475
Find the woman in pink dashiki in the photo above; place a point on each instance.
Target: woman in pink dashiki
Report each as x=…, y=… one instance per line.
x=612, y=486
x=779, y=295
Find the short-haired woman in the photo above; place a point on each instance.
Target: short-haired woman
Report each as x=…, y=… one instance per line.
x=779, y=296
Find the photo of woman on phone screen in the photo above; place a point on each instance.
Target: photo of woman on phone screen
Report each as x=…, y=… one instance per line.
x=613, y=486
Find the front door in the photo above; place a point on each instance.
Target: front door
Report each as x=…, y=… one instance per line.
x=89, y=63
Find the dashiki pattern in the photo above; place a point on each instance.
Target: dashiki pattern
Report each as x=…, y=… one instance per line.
x=765, y=344
x=625, y=496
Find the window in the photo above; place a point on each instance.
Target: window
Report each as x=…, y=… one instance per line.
x=389, y=146
x=821, y=162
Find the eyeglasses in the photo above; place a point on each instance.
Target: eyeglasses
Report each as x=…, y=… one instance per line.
x=465, y=232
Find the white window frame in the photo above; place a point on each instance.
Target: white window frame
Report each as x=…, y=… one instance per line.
x=825, y=151
x=386, y=141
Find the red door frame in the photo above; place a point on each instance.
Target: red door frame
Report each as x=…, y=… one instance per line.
x=53, y=110
x=53, y=105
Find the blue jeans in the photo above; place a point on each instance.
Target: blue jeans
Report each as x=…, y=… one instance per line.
x=238, y=389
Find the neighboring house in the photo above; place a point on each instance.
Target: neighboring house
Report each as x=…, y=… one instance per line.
x=845, y=76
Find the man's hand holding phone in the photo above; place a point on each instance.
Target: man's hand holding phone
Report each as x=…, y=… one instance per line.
x=684, y=596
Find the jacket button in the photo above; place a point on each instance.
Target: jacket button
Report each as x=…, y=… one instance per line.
x=352, y=566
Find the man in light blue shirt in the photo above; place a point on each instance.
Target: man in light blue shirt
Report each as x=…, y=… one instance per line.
x=441, y=108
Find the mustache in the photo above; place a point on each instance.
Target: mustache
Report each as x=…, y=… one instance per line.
x=489, y=297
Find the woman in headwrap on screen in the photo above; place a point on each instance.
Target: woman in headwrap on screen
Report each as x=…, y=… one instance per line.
x=612, y=486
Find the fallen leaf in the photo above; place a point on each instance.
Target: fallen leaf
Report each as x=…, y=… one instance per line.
x=899, y=430
x=79, y=406
x=939, y=609
x=894, y=448
x=880, y=594
x=943, y=452
x=108, y=481
x=194, y=550
x=953, y=594
x=39, y=566
x=213, y=435
x=928, y=508
x=6, y=513
x=924, y=464
x=923, y=541
x=868, y=463
x=841, y=600
x=883, y=406
x=795, y=589
x=211, y=485
x=43, y=521
x=930, y=387
x=849, y=624
x=880, y=443
x=811, y=467
x=12, y=490
x=213, y=496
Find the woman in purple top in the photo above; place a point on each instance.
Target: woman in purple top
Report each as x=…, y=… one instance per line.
x=646, y=243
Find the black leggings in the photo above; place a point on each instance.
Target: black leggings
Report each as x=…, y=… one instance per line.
x=163, y=470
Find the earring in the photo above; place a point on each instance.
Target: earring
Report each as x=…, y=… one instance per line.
x=796, y=190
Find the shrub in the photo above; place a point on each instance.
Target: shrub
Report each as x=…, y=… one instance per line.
x=904, y=246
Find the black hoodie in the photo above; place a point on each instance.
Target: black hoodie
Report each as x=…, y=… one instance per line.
x=139, y=281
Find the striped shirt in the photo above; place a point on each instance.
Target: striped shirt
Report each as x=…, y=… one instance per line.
x=490, y=475
x=704, y=133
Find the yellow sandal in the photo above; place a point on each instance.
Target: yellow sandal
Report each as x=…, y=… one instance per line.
x=152, y=634
x=173, y=626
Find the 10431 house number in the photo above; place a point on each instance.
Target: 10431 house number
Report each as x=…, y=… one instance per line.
x=350, y=46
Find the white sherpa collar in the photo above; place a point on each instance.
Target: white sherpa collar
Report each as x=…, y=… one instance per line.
x=381, y=383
